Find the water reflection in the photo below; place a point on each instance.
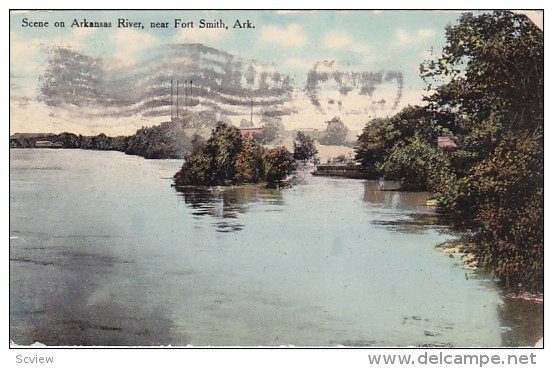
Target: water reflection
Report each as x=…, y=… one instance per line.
x=522, y=321
x=226, y=203
x=411, y=214
x=387, y=194
x=85, y=305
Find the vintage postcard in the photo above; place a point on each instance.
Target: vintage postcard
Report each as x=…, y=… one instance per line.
x=284, y=178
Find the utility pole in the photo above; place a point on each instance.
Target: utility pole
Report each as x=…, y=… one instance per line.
x=171, y=100
x=191, y=93
x=185, y=95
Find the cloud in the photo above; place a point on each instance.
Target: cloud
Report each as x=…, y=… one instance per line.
x=413, y=97
x=291, y=35
x=295, y=12
x=287, y=12
x=22, y=49
x=82, y=33
x=405, y=38
x=26, y=55
x=338, y=40
x=131, y=43
x=204, y=36
x=77, y=39
x=427, y=55
x=263, y=68
x=298, y=63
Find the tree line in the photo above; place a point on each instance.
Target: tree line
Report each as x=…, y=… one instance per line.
x=488, y=101
x=171, y=139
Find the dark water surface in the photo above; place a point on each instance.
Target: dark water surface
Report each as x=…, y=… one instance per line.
x=104, y=252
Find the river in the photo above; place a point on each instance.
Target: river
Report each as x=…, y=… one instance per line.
x=103, y=251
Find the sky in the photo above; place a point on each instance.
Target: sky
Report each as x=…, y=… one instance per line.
x=292, y=42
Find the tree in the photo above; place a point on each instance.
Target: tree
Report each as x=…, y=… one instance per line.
x=249, y=164
x=488, y=96
x=227, y=157
x=246, y=123
x=380, y=135
x=505, y=192
x=490, y=79
x=418, y=164
x=272, y=129
x=197, y=142
x=278, y=163
x=196, y=170
x=304, y=147
x=167, y=140
x=215, y=162
x=335, y=132
x=490, y=73
x=223, y=147
x=376, y=139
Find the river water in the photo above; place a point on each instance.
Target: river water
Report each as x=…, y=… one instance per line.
x=103, y=251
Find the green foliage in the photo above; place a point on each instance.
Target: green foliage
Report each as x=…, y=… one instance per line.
x=167, y=140
x=223, y=147
x=249, y=163
x=505, y=192
x=418, y=164
x=278, y=163
x=490, y=70
x=161, y=141
x=492, y=75
x=70, y=140
x=197, y=142
x=488, y=97
x=377, y=138
x=196, y=170
x=381, y=144
x=335, y=132
x=227, y=157
x=273, y=129
x=304, y=147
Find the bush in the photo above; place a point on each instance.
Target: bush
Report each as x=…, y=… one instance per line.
x=335, y=132
x=419, y=165
x=278, y=163
x=304, y=147
x=373, y=144
x=195, y=171
x=249, y=164
x=273, y=129
x=503, y=198
x=227, y=157
x=214, y=161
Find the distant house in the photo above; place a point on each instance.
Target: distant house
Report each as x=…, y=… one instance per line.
x=251, y=132
x=446, y=143
x=48, y=144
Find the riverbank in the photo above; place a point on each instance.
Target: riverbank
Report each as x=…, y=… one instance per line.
x=344, y=171
x=460, y=249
